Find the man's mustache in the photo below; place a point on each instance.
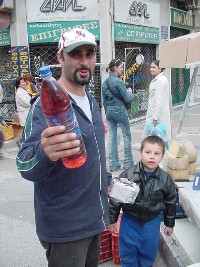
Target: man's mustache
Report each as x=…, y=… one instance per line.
x=83, y=68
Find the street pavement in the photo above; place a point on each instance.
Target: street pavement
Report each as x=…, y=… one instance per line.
x=19, y=245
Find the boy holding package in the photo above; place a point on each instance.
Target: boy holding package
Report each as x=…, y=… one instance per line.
x=140, y=223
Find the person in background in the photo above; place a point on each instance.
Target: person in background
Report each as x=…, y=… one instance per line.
x=140, y=222
x=115, y=95
x=159, y=102
x=71, y=205
x=23, y=99
x=3, y=123
x=1, y=94
x=32, y=88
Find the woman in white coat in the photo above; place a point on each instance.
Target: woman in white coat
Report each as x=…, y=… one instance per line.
x=22, y=100
x=159, y=99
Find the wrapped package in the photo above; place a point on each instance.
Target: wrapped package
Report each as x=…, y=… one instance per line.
x=123, y=190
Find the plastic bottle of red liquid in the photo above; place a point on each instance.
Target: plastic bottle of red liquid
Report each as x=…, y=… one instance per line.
x=58, y=110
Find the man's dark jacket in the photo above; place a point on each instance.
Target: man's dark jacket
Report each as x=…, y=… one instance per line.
x=70, y=204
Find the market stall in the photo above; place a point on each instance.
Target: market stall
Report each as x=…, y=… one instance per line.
x=182, y=52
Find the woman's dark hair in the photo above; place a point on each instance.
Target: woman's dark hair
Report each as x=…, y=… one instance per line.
x=28, y=77
x=114, y=63
x=157, y=62
x=18, y=81
x=153, y=139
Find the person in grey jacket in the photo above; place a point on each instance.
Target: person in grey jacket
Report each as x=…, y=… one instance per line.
x=3, y=123
x=140, y=222
x=71, y=205
x=115, y=96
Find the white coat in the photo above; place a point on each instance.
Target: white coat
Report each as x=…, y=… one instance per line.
x=159, y=103
x=23, y=104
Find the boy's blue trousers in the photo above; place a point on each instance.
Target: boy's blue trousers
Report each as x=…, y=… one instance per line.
x=138, y=244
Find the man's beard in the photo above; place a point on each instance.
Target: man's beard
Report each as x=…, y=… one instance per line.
x=85, y=80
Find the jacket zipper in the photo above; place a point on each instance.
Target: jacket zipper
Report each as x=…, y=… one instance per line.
x=98, y=154
x=100, y=173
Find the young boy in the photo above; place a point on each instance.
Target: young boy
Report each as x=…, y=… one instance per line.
x=140, y=222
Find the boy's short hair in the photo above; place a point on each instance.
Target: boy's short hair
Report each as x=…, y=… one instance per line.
x=153, y=139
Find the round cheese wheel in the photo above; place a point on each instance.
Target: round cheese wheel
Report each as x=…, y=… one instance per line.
x=178, y=175
x=177, y=163
x=193, y=166
x=190, y=151
x=177, y=148
x=182, y=146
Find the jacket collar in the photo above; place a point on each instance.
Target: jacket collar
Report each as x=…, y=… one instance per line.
x=139, y=168
x=158, y=76
x=92, y=102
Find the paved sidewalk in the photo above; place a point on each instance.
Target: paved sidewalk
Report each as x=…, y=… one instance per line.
x=17, y=219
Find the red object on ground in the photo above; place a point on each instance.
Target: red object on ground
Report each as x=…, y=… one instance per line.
x=106, y=246
x=115, y=247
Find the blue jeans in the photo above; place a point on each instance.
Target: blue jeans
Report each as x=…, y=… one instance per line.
x=118, y=116
x=138, y=245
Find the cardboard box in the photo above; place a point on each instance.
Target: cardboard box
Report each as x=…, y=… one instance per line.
x=181, y=52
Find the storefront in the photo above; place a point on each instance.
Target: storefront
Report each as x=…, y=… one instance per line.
x=133, y=35
x=45, y=23
x=136, y=34
x=6, y=74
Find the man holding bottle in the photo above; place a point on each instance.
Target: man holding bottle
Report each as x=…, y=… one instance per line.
x=71, y=205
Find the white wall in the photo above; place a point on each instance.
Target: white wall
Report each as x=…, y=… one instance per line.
x=18, y=27
x=164, y=21
x=195, y=95
x=48, y=11
x=106, y=35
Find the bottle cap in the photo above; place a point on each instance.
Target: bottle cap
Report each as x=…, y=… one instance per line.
x=45, y=71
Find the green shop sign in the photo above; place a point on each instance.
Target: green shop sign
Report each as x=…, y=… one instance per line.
x=181, y=19
x=5, y=37
x=137, y=34
x=50, y=32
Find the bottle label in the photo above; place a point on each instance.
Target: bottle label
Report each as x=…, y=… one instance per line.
x=66, y=118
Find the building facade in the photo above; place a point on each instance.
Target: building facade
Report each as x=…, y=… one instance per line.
x=130, y=30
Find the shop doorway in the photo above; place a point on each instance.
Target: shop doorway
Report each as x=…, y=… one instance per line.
x=137, y=58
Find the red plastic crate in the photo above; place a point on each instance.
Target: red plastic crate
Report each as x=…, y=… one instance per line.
x=118, y=222
x=106, y=246
x=115, y=249
x=116, y=260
